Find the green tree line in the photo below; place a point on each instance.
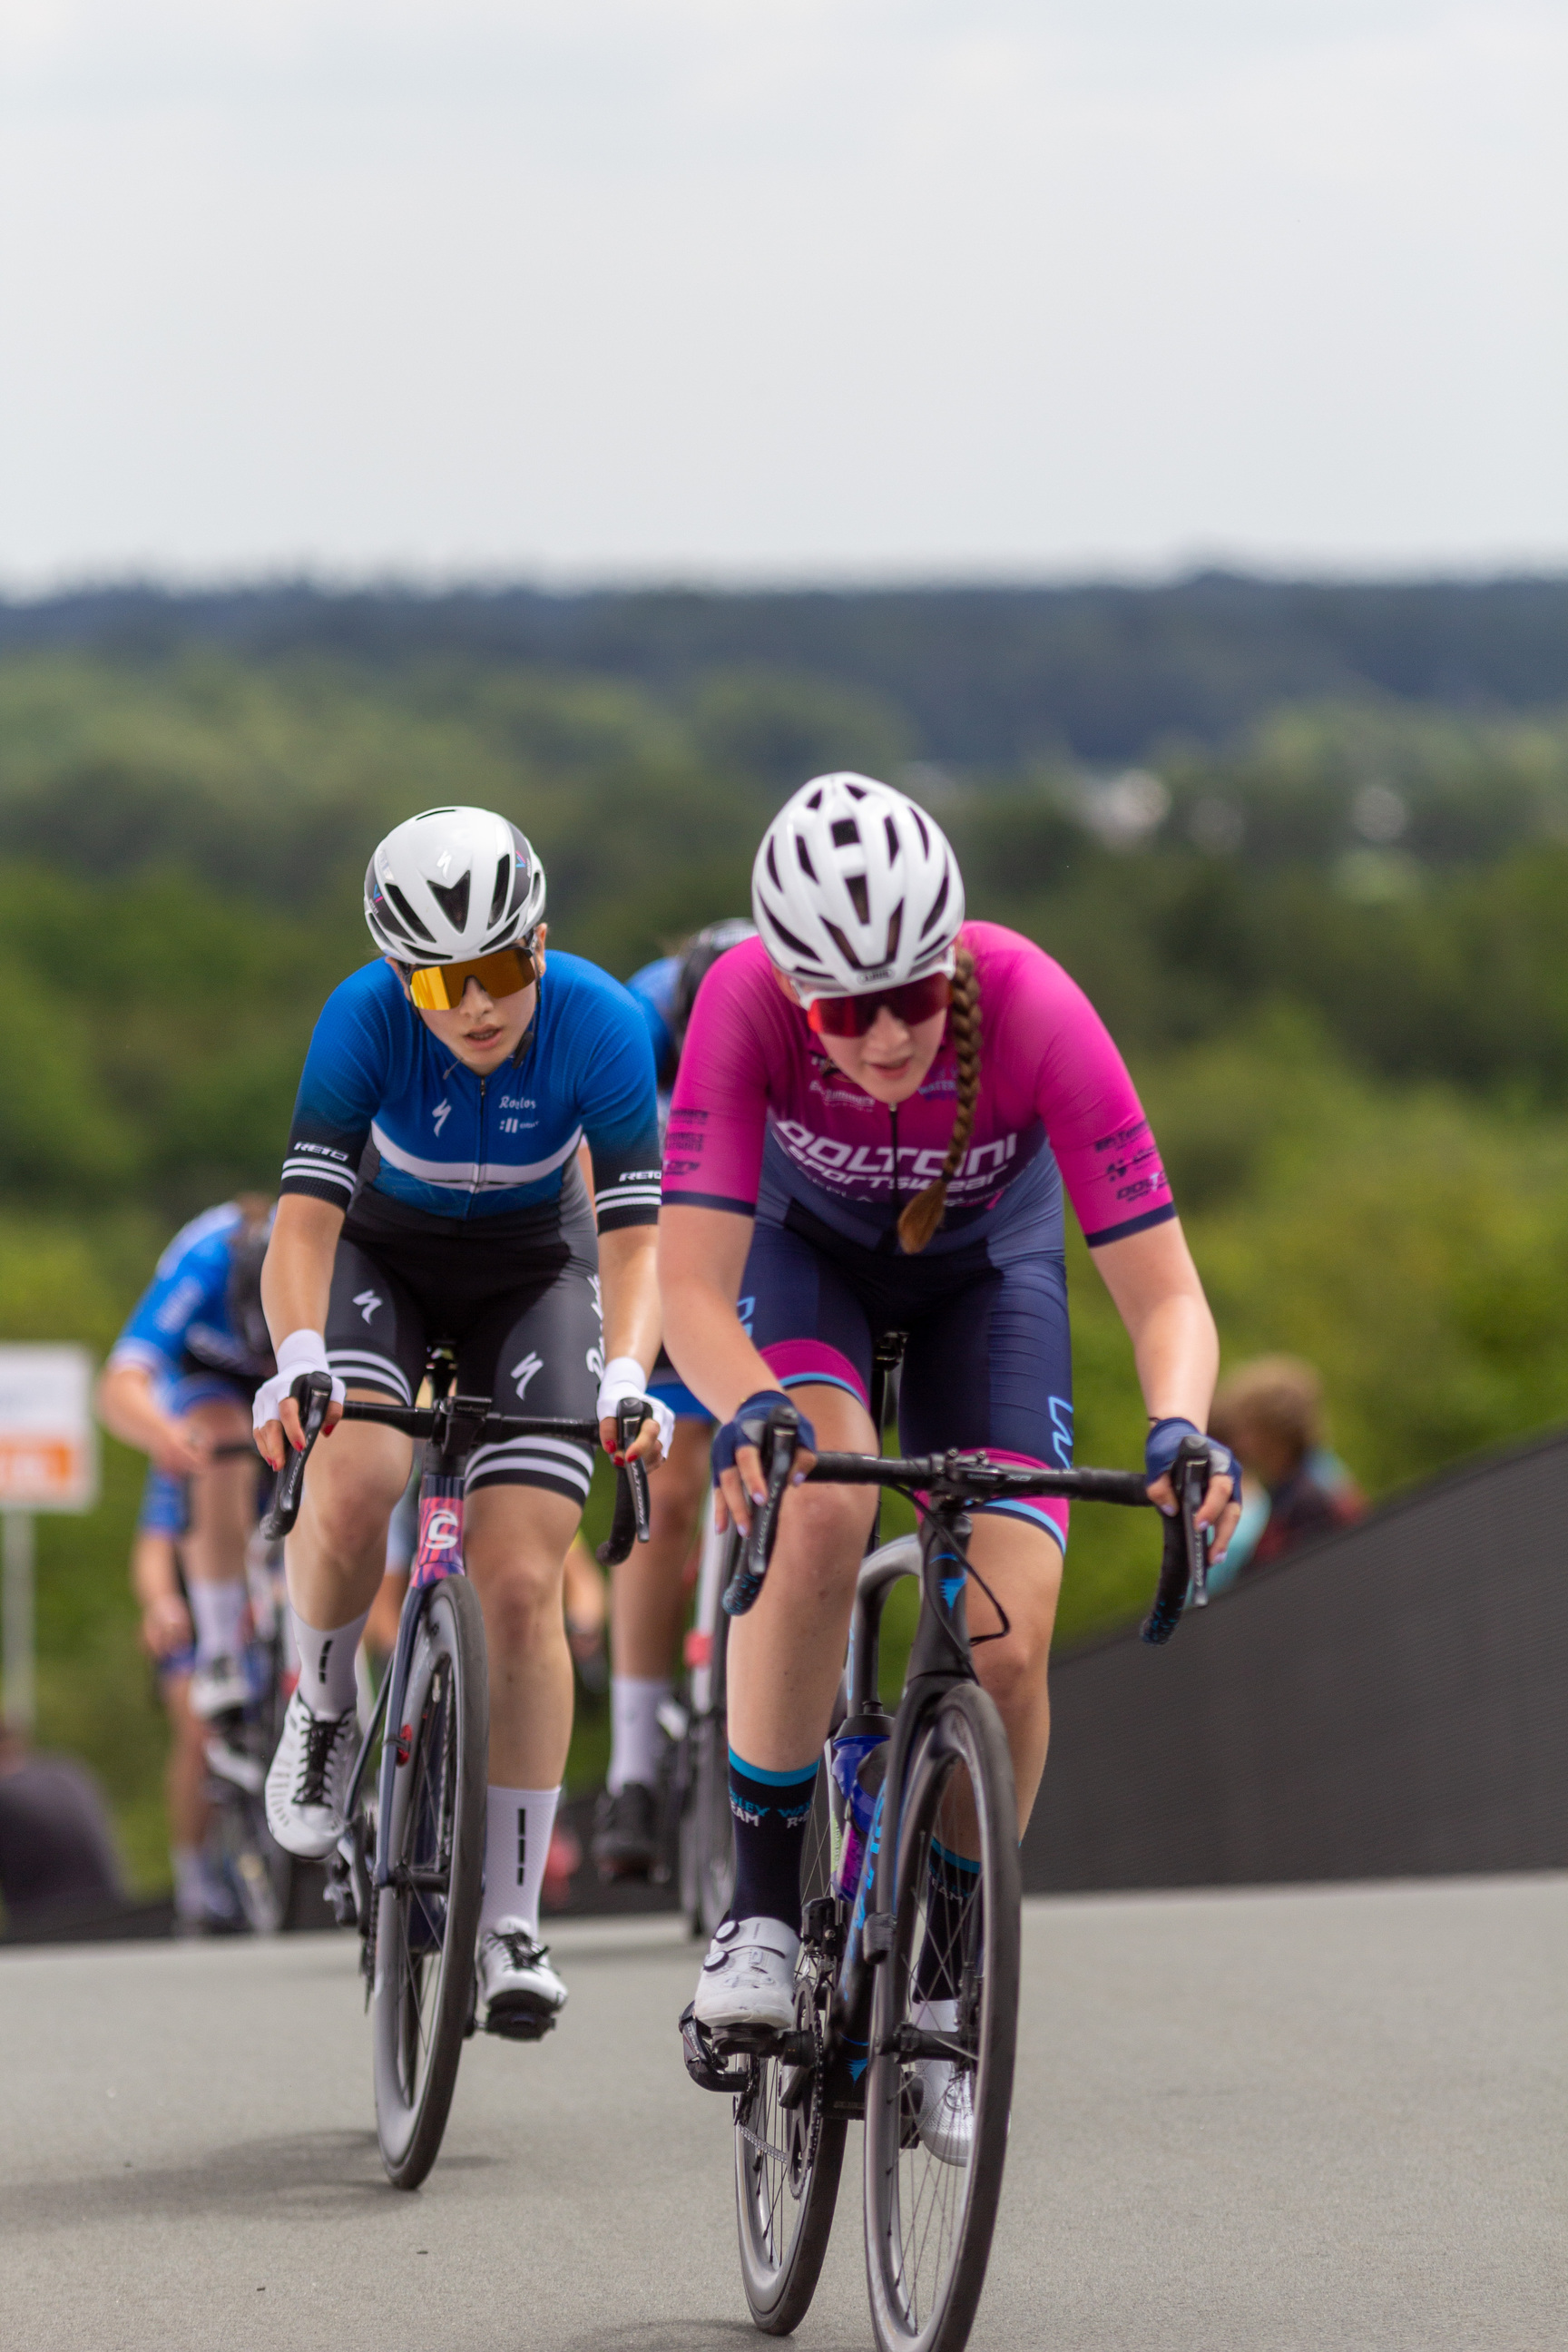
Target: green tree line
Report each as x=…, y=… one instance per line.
x=1344, y=996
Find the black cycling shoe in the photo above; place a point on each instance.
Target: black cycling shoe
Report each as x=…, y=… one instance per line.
x=626, y=1832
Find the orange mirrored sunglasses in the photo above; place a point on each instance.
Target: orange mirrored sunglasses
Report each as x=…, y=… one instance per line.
x=441, y=987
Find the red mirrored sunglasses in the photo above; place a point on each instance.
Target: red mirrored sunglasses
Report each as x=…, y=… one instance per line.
x=851, y=1016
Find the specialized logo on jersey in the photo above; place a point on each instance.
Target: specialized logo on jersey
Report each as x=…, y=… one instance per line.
x=522, y=1374
x=442, y=1113
x=368, y=1300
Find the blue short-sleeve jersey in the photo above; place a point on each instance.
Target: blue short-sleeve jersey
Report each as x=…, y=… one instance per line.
x=183, y=1316
x=384, y=1105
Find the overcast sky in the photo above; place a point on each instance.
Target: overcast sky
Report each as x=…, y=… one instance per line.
x=764, y=288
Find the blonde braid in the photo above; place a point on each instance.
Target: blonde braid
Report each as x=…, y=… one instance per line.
x=926, y=1211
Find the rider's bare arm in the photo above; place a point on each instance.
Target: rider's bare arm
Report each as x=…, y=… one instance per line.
x=296, y=1287
x=628, y=1277
x=701, y=1258
x=1152, y=1278
x=128, y=1409
x=154, y=1581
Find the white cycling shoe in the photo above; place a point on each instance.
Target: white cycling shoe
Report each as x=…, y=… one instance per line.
x=218, y=1685
x=746, y=1990
x=942, y=2091
x=307, y=1784
x=518, y=1993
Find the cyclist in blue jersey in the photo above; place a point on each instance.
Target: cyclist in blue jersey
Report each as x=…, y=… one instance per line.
x=647, y=1594
x=179, y=1383
x=431, y=1192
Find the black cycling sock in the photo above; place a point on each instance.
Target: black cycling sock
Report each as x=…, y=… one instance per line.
x=951, y=1883
x=771, y=1811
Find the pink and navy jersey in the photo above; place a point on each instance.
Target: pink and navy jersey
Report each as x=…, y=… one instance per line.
x=761, y=1118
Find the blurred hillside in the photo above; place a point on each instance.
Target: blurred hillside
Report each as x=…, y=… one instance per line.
x=982, y=677
x=1329, y=941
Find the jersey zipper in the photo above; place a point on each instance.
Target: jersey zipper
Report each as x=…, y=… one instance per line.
x=479, y=1153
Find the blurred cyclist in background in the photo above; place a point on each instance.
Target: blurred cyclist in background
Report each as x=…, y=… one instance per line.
x=1271, y=1411
x=178, y=1383
x=647, y=1591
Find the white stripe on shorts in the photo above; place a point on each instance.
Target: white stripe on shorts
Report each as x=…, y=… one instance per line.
x=364, y=1364
x=552, y=1457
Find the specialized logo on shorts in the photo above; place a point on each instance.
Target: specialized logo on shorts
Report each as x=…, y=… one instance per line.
x=368, y=1300
x=594, y=1360
x=441, y=1114
x=522, y=1374
x=598, y=1303
x=1061, y=1425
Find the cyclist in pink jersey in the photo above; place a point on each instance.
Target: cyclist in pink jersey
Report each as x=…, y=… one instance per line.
x=877, y=1109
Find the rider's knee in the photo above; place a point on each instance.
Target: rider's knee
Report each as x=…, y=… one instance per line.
x=521, y=1598
x=826, y=1528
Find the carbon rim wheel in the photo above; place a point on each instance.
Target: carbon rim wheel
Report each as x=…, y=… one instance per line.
x=427, y=1916
x=944, y=2026
x=788, y=2154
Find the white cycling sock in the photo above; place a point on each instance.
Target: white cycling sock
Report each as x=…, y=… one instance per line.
x=217, y=1612
x=518, y=1823
x=190, y=1880
x=326, y=1664
x=634, y=1735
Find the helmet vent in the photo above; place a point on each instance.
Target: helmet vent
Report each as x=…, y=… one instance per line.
x=895, y=926
x=842, y=944
x=505, y=869
x=891, y=830
x=406, y=916
x=845, y=832
x=859, y=896
x=939, y=903
x=921, y=829
x=806, y=868
x=773, y=868
x=796, y=946
x=452, y=897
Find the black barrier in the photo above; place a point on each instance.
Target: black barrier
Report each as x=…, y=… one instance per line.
x=1390, y=1701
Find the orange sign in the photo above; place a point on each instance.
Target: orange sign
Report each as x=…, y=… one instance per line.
x=48, y=1447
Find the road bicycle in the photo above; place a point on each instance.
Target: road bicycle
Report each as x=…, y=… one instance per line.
x=907, y=1985
x=238, y=1849
x=409, y=1869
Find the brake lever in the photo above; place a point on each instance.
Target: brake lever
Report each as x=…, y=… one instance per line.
x=1183, y=1565
x=632, y=1520
x=780, y=1438
x=313, y=1392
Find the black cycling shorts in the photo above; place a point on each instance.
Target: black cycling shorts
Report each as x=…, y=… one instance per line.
x=989, y=1360
x=518, y=1300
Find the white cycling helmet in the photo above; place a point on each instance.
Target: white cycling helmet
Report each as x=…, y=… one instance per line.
x=452, y=884
x=853, y=888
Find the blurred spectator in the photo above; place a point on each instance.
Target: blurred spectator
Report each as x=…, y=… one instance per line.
x=57, y=1860
x=1270, y=1412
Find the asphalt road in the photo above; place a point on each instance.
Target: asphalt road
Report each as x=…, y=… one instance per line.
x=1304, y=2120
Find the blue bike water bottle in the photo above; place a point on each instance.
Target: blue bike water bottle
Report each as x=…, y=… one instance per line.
x=859, y=1765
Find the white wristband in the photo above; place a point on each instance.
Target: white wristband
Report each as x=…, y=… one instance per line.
x=302, y=1351
x=625, y=1377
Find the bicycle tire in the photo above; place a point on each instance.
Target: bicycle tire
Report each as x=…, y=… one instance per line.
x=929, y=2219
x=423, y=1988
x=794, y=2177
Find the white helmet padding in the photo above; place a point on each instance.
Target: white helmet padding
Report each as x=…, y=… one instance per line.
x=853, y=888
x=452, y=884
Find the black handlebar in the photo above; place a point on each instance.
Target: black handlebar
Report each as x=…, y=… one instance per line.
x=473, y=1417
x=972, y=1479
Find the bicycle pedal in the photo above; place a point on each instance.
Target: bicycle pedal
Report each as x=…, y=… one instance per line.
x=519, y=2025
x=704, y=2063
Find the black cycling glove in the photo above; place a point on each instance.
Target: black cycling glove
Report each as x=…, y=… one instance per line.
x=1163, y=1442
x=746, y=1426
